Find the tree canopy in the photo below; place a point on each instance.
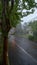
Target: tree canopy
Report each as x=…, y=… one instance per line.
x=16, y=14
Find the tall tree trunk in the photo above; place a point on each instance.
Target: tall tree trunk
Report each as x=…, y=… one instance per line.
x=5, y=29
x=5, y=51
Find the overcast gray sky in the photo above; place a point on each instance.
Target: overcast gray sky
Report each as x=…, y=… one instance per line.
x=30, y=17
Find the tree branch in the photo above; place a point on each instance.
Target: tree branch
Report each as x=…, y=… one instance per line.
x=12, y=3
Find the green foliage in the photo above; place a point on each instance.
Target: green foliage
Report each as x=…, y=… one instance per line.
x=31, y=37
x=15, y=16
x=30, y=4
x=35, y=35
x=33, y=25
x=16, y=13
x=34, y=28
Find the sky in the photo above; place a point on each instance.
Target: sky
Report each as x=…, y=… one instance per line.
x=30, y=17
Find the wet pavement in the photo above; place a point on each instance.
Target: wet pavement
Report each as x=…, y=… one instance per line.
x=26, y=52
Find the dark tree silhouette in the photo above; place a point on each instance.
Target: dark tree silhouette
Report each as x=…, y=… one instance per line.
x=5, y=28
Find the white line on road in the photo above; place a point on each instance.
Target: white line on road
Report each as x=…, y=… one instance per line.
x=27, y=53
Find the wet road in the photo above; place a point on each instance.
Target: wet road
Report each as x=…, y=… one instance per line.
x=26, y=52
x=28, y=46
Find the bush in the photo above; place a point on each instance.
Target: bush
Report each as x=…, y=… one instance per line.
x=35, y=35
x=31, y=37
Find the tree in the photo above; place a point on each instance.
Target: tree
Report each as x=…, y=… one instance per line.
x=12, y=15
x=5, y=28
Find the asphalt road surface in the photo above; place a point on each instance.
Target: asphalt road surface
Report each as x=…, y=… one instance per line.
x=25, y=54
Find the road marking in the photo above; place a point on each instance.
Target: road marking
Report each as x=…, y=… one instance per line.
x=27, y=53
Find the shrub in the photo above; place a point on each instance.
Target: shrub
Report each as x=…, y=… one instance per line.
x=31, y=37
x=35, y=35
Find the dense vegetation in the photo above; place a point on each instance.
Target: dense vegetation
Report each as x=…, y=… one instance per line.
x=33, y=25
